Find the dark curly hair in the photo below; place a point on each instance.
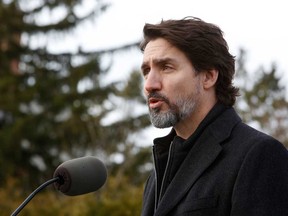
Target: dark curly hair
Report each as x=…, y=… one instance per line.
x=204, y=46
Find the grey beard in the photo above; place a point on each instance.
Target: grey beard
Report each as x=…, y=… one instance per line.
x=178, y=111
x=163, y=120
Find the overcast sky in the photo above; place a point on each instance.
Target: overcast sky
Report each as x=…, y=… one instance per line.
x=258, y=26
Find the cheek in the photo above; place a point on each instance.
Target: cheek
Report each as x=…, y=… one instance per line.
x=186, y=89
x=182, y=87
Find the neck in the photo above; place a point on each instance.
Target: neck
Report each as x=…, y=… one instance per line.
x=186, y=127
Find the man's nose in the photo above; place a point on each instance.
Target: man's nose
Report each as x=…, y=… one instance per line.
x=152, y=82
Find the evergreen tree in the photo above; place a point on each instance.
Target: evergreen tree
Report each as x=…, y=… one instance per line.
x=52, y=105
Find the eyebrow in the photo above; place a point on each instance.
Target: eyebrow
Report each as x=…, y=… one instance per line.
x=159, y=61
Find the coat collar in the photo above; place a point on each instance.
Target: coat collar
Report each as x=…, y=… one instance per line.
x=201, y=156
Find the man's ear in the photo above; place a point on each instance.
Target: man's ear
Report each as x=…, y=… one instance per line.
x=210, y=78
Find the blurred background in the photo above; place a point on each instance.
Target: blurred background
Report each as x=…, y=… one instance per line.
x=70, y=86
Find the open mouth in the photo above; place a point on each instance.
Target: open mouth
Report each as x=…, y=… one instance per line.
x=155, y=102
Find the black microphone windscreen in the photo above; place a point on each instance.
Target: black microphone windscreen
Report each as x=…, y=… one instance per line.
x=80, y=176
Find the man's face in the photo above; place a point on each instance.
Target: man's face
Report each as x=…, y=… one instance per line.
x=171, y=86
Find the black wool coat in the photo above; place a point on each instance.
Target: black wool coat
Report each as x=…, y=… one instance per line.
x=232, y=169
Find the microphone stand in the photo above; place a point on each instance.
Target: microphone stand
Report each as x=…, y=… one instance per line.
x=25, y=202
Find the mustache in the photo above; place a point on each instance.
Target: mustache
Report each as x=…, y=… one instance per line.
x=159, y=96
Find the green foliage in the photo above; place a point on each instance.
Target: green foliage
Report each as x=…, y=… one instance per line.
x=118, y=198
x=263, y=100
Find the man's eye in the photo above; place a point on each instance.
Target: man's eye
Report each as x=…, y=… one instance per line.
x=166, y=67
x=145, y=71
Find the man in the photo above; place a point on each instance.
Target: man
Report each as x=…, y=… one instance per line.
x=211, y=163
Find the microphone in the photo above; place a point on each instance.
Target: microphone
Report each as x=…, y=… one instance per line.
x=74, y=177
x=80, y=176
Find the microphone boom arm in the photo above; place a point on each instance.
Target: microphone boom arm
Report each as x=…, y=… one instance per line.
x=25, y=202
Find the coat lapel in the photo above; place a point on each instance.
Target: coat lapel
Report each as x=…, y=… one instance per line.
x=201, y=156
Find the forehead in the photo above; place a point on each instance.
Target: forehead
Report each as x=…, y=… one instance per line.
x=161, y=49
x=158, y=47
